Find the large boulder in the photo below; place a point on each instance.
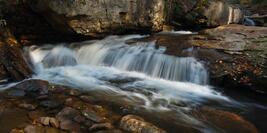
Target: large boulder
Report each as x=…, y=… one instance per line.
x=119, y=16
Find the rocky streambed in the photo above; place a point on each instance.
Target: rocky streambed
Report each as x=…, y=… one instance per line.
x=35, y=106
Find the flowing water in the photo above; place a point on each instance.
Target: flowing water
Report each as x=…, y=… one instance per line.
x=138, y=75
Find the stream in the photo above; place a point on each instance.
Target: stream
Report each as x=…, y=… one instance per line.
x=172, y=92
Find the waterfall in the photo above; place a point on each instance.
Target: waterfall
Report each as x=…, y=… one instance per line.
x=142, y=57
x=136, y=74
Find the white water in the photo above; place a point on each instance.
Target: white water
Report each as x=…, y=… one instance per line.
x=142, y=57
x=138, y=74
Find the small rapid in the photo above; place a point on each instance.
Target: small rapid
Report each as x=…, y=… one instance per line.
x=139, y=74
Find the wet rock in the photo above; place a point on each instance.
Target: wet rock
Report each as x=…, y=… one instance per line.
x=136, y=124
x=50, y=104
x=79, y=119
x=69, y=101
x=34, y=129
x=65, y=118
x=101, y=126
x=42, y=97
x=87, y=98
x=70, y=125
x=41, y=129
x=27, y=106
x=33, y=87
x=34, y=115
x=54, y=122
x=13, y=118
x=44, y=121
x=226, y=121
x=67, y=113
x=93, y=116
x=16, y=93
x=73, y=92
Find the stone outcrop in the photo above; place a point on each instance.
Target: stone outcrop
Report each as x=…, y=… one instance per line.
x=122, y=16
x=207, y=13
x=87, y=17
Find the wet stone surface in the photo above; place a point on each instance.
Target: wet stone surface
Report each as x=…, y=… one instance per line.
x=78, y=112
x=61, y=110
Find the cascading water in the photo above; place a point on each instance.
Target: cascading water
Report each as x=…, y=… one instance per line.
x=142, y=57
x=140, y=74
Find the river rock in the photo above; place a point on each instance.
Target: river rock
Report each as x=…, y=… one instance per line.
x=27, y=106
x=54, y=122
x=33, y=87
x=101, y=126
x=67, y=113
x=44, y=121
x=120, y=16
x=50, y=104
x=136, y=124
x=34, y=129
x=93, y=116
x=70, y=126
x=41, y=129
x=65, y=118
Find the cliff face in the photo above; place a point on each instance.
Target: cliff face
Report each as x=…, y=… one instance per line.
x=120, y=16
x=101, y=16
